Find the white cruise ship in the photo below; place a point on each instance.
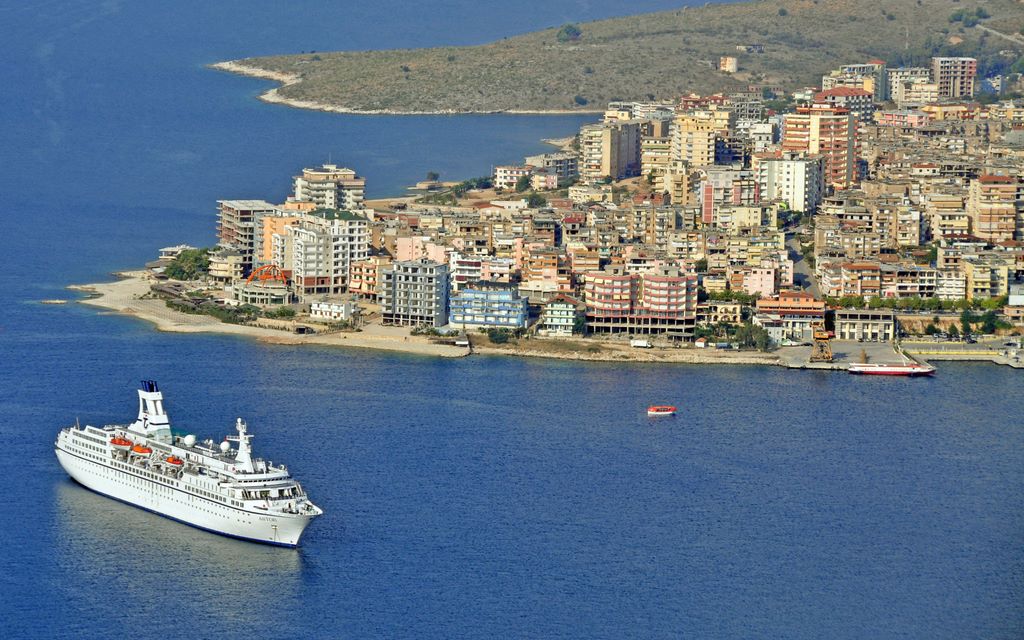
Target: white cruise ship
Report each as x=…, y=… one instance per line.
x=209, y=486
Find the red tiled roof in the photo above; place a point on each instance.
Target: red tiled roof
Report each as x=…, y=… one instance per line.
x=987, y=179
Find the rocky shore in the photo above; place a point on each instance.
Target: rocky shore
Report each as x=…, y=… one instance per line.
x=273, y=96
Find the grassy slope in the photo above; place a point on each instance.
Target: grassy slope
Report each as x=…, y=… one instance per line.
x=656, y=55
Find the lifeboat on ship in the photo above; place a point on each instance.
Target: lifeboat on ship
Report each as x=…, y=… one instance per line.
x=175, y=461
x=661, y=410
x=120, y=444
x=142, y=450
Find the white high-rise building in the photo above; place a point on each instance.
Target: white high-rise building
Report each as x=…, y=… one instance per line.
x=320, y=248
x=414, y=293
x=798, y=180
x=331, y=187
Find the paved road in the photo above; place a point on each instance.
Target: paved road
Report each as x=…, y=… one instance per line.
x=803, y=275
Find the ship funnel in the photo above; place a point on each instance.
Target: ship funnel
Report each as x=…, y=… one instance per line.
x=153, y=419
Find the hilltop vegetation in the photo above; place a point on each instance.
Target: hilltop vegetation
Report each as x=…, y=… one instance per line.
x=650, y=56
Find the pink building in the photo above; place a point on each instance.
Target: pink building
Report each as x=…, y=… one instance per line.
x=902, y=118
x=416, y=247
x=761, y=281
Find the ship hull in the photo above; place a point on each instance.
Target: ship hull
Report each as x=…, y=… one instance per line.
x=181, y=506
x=907, y=372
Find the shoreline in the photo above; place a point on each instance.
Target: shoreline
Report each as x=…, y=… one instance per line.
x=273, y=96
x=125, y=297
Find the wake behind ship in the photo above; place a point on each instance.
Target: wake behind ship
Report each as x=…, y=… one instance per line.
x=216, y=488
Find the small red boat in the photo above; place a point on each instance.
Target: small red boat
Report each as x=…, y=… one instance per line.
x=661, y=410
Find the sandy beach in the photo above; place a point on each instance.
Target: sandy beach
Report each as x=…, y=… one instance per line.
x=125, y=297
x=129, y=296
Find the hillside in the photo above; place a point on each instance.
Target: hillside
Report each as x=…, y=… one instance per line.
x=649, y=56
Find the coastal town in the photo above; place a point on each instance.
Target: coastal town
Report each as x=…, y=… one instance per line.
x=875, y=218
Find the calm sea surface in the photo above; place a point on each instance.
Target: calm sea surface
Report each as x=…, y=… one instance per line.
x=477, y=497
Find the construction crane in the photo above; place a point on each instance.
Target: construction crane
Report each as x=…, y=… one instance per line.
x=822, y=349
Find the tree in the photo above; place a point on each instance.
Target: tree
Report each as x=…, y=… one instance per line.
x=953, y=331
x=432, y=176
x=580, y=100
x=522, y=184
x=568, y=33
x=701, y=265
x=931, y=329
x=535, y=200
x=190, y=264
x=783, y=12
x=966, y=318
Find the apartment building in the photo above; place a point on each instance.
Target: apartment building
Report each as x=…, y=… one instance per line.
x=658, y=301
x=955, y=76
x=693, y=139
x=791, y=177
x=609, y=149
x=487, y=305
x=827, y=132
x=415, y=293
x=563, y=165
x=324, y=245
x=331, y=187
x=239, y=228
x=995, y=205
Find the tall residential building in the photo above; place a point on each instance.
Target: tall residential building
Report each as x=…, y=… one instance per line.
x=657, y=301
x=414, y=293
x=331, y=187
x=828, y=132
x=609, y=149
x=955, y=76
x=324, y=244
x=995, y=205
x=693, y=139
x=239, y=228
x=859, y=102
x=795, y=179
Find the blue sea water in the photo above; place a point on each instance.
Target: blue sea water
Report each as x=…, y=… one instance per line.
x=481, y=497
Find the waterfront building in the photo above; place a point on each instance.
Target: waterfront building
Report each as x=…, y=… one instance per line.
x=415, y=293
x=793, y=313
x=324, y=245
x=239, y=227
x=365, y=276
x=827, y=132
x=228, y=266
x=331, y=187
x=561, y=317
x=955, y=76
x=865, y=325
x=791, y=177
x=333, y=310
x=484, y=304
x=662, y=300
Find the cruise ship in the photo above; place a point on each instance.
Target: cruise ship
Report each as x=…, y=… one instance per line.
x=206, y=485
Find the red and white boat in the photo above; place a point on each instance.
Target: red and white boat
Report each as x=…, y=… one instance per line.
x=911, y=369
x=661, y=410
